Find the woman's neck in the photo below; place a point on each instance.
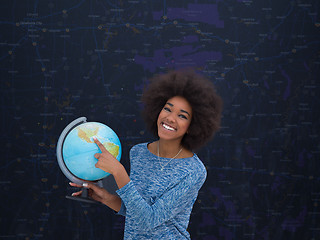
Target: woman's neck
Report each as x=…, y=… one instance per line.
x=168, y=149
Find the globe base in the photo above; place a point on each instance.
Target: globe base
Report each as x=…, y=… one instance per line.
x=108, y=183
x=84, y=197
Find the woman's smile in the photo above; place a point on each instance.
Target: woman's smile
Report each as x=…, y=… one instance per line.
x=168, y=127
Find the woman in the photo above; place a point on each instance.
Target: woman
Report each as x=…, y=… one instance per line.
x=183, y=110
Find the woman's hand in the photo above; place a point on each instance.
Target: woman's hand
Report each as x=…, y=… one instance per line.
x=99, y=194
x=106, y=161
x=95, y=192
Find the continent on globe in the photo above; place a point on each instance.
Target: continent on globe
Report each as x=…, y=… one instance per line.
x=112, y=148
x=86, y=134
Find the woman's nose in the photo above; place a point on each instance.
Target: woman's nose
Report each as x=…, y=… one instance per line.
x=171, y=118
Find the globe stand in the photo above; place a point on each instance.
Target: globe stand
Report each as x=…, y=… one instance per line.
x=84, y=197
x=108, y=183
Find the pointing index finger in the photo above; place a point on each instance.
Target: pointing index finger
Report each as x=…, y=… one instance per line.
x=102, y=148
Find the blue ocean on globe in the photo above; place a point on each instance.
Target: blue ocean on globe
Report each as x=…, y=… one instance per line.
x=79, y=148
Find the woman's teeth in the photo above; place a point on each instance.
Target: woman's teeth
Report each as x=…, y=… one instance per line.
x=168, y=127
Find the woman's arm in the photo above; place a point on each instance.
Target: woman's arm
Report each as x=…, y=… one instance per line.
x=108, y=163
x=174, y=200
x=100, y=194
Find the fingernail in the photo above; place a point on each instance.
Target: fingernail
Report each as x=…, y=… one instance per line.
x=72, y=194
x=85, y=184
x=94, y=138
x=70, y=183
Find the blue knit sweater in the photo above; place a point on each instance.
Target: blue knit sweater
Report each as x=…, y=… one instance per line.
x=157, y=204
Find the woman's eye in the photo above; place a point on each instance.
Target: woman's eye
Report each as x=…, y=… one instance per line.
x=183, y=116
x=167, y=109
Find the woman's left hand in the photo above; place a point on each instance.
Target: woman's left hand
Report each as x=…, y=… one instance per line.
x=106, y=161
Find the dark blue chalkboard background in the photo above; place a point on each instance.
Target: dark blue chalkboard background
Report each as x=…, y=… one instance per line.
x=61, y=60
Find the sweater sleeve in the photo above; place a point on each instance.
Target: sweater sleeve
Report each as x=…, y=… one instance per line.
x=165, y=207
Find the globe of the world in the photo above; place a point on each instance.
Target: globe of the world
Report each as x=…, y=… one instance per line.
x=78, y=149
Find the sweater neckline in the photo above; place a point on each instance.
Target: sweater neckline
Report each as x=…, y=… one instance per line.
x=163, y=158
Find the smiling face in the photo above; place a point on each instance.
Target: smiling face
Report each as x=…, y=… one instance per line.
x=174, y=119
